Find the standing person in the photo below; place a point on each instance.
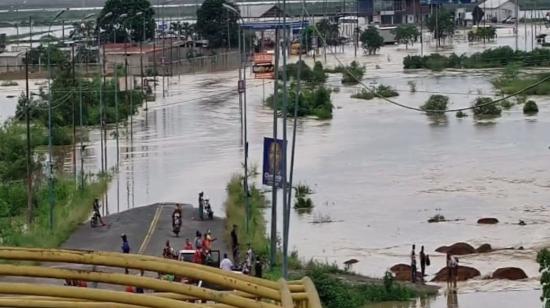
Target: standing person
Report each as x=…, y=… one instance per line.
x=198, y=240
x=188, y=245
x=226, y=264
x=96, y=207
x=235, y=244
x=247, y=269
x=168, y=251
x=413, y=264
x=201, y=205
x=422, y=262
x=449, y=271
x=125, y=247
x=258, y=268
x=454, y=270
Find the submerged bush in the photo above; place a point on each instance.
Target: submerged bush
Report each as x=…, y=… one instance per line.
x=484, y=107
x=386, y=91
x=353, y=73
x=312, y=102
x=364, y=94
x=506, y=104
x=436, y=104
x=530, y=107
x=461, y=114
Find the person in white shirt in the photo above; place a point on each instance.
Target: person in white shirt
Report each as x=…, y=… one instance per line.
x=226, y=264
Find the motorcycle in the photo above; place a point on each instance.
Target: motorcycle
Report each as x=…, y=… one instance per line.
x=176, y=227
x=208, y=211
x=94, y=222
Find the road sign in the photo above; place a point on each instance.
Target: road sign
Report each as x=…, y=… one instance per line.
x=263, y=67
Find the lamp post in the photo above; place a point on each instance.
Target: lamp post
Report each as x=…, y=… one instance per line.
x=141, y=56
x=242, y=102
x=50, y=164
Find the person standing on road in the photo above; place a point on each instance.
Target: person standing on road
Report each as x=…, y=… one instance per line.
x=201, y=205
x=413, y=264
x=198, y=240
x=96, y=207
x=226, y=264
x=188, y=245
x=125, y=247
x=235, y=244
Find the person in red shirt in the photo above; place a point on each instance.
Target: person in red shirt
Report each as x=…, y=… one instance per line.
x=188, y=245
x=130, y=289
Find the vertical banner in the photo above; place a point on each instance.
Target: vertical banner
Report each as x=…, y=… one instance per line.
x=263, y=67
x=273, y=162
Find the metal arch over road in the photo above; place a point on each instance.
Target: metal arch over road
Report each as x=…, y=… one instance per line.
x=241, y=290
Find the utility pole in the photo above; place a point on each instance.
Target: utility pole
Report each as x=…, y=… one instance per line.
x=286, y=208
x=273, y=250
x=517, y=23
x=29, y=150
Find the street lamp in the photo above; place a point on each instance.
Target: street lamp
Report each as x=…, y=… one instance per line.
x=50, y=165
x=242, y=103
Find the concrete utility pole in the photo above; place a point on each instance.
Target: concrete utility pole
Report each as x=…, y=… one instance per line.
x=273, y=235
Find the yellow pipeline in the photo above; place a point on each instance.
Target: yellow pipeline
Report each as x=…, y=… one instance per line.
x=137, y=281
x=92, y=294
x=139, y=262
x=42, y=303
x=286, y=297
x=313, y=297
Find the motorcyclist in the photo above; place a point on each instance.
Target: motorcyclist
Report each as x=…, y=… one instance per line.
x=176, y=216
x=96, y=207
x=208, y=209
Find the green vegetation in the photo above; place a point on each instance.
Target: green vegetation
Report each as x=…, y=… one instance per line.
x=436, y=104
x=372, y=40
x=312, y=101
x=353, y=73
x=131, y=27
x=328, y=32
x=506, y=104
x=406, y=34
x=313, y=76
x=364, y=94
x=380, y=91
x=214, y=22
x=72, y=207
x=484, y=107
x=490, y=58
x=482, y=33
x=543, y=258
x=337, y=293
x=441, y=24
x=530, y=107
x=301, y=199
x=461, y=114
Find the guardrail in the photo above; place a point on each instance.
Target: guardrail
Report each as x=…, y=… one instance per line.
x=231, y=289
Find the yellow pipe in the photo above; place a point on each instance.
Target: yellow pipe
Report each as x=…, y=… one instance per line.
x=313, y=297
x=155, y=264
x=137, y=281
x=36, y=303
x=286, y=297
x=92, y=294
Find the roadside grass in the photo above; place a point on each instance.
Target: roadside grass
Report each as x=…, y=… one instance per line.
x=72, y=207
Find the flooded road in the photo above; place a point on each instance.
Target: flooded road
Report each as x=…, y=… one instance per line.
x=378, y=171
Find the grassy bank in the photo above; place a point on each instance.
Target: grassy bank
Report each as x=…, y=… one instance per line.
x=513, y=85
x=334, y=287
x=72, y=207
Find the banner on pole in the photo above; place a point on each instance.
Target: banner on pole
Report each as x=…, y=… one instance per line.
x=273, y=162
x=263, y=67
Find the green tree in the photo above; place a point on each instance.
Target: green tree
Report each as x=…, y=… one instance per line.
x=406, y=34
x=543, y=258
x=442, y=24
x=328, y=31
x=213, y=22
x=372, y=40
x=130, y=27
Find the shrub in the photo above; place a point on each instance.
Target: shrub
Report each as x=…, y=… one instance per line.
x=484, y=107
x=506, y=104
x=530, y=107
x=412, y=86
x=436, y=104
x=353, y=73
x=412, y=62
x=461, y=114
x=386, y=91
x=312, y=101
x=364, y=94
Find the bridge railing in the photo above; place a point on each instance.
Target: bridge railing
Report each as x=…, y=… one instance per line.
x=240, y=290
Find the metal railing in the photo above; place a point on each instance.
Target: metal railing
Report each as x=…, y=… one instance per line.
x=231, y=289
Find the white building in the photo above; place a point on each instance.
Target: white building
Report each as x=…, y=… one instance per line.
x=499, y=9
x=11, y=61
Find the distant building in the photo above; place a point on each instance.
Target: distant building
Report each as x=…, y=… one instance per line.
x=499, y=9
x=11, y=61
x=390, y=12
x=260, y=11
